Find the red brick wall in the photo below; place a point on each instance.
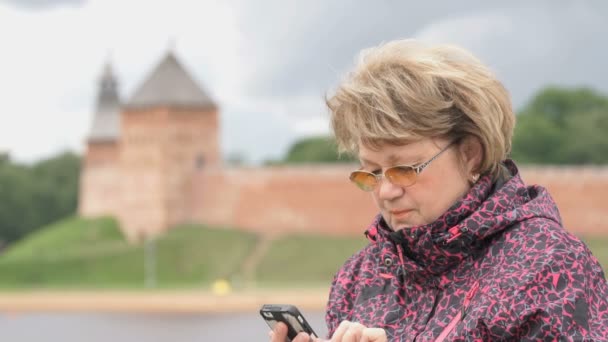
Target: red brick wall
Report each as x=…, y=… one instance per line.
x=101, y=153
x=99, y=180
x=320, y=199
x=305, y=199
x=151, y=179
x=142, y=209
x=161, y=151
x=581, y=194
x=191, y=145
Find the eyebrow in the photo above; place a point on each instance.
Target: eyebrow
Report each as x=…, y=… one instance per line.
x=393, y=159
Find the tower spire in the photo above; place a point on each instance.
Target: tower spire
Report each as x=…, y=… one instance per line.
x=170, y=84
x=171, y=44
x=106, y=121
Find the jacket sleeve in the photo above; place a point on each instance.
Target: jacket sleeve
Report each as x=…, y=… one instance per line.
x=342, y=293
x=566, y=299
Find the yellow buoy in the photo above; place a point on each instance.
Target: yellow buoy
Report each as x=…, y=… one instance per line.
x=221, y=287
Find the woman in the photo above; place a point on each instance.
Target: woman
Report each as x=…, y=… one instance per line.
x=462, y=249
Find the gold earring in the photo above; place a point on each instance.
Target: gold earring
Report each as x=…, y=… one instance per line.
x=474, y=178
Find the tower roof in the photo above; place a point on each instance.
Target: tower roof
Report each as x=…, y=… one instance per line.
x=170, y=85
x=106, y=122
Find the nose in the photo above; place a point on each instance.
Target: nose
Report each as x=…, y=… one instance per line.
x=387, y=190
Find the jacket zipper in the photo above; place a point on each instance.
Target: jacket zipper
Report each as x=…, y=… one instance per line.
x=455, y=233
x=401, y=262
x=461, y=313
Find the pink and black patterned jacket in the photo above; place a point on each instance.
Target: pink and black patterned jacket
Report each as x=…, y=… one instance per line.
x=496, y=266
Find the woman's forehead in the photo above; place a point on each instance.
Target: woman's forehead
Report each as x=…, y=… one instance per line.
x=391, y=153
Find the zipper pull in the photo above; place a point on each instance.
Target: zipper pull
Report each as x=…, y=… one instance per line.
x=472, y=291
x=454, y=234
x=460, y=316
x=401, y=262
x=468, y=297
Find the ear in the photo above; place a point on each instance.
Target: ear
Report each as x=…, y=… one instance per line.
x=471, y=153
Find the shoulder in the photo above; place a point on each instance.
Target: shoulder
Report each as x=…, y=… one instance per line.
x=352, y=268
x=344, y=286
x=538, y=274
x=541, y=246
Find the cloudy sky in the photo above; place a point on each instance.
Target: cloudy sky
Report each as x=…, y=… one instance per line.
x=268, y=63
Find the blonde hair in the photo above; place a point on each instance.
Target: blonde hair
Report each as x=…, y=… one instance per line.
x=404, y=91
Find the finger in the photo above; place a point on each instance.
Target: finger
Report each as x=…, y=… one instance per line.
x=339, y=333
x=353, y=334
x=302, y=337
x=279, y=334
x=373, y=335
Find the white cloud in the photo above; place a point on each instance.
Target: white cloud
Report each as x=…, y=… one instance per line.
x=51, y=60
x=261, y=128
x=268, y=62
x=529, y=47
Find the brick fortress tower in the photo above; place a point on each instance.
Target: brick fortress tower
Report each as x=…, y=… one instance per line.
x=154, y=162
x=164, y=136
x=100, y=177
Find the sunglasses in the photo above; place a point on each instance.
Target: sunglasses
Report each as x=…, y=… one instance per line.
x=401, y=175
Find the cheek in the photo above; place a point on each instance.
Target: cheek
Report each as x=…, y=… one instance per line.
x=439, y=194
x=376, y=200
x=450, y=194
x=431, y=208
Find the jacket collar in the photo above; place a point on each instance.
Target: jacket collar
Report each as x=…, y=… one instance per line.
x=486, y=210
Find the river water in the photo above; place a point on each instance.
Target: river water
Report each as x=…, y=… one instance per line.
x=103, y=327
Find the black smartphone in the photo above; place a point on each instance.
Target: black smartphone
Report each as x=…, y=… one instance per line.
x=288, y=314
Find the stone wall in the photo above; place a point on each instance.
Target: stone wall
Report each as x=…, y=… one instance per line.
x=142, y=211
x=581, y=194
x=307, y=199
x=145, y=178
x=191, y=146
x=320, y=199
x=100, y=180
x=311, y=199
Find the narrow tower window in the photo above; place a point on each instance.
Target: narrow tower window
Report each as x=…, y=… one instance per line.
x=200, y=161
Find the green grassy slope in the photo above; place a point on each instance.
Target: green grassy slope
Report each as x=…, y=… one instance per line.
x=306, y=259
x=92, y=253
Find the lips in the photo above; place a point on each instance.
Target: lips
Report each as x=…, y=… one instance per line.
x=399, y=213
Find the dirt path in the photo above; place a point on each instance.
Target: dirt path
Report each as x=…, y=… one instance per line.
x=253, y=260
x=158, y=301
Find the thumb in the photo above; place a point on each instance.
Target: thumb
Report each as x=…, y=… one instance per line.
x=373, y=335
x=279, y=333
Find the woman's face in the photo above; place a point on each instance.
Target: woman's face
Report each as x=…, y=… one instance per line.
x=437, y=187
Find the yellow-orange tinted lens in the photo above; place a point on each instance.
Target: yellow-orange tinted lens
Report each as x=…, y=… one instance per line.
x=401, y=175
x=364, y=180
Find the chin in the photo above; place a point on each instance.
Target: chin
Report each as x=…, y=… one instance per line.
x=396, y=224
x=401, y=225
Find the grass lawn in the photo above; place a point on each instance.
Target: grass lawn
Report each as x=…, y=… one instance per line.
x=306, y=259
x=313, y=260
x=91, y=253
x=599, y=248
x=82, y=253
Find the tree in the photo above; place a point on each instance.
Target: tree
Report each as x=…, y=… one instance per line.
x=34, y=196
x=563, y=126
x=4, y=158
x=316, y=150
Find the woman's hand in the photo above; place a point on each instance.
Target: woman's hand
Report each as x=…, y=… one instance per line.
x=279, y=334
x=346, y=332
x=356, y=332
